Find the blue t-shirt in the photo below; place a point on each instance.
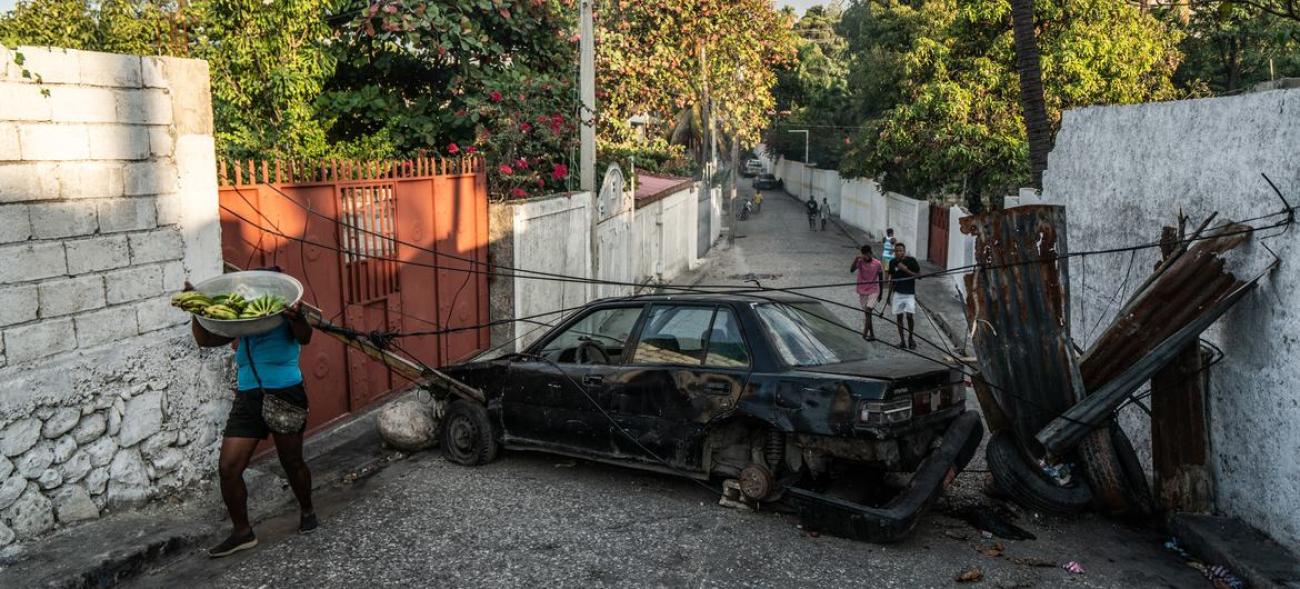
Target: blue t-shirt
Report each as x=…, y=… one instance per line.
x=275, y=354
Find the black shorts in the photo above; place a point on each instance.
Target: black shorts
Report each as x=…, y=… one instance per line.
x=245, y=420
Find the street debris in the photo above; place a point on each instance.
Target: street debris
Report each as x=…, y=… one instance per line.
x=972, y=575
x=991, y=523
x=1073, y=567
x=992, y=551
x=1218, y=575
x=1052, y=402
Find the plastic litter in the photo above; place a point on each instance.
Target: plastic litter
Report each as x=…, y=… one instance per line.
x=1073, y=567
x=1218, y=575
x=1060, y=473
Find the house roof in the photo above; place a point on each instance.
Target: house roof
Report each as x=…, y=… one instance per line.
x=651, y=187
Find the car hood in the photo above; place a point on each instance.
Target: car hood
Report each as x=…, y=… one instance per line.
x=885, y=369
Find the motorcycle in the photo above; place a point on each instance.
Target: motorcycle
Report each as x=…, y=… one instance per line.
x=745, y=210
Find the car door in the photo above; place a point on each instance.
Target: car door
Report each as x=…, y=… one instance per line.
x=690, y=363
x=556, y=391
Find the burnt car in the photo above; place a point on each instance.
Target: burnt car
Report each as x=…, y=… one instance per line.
x=766, y=182
x=770, y=394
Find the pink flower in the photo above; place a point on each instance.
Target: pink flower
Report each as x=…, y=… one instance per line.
x=518, y=192
x=471, y=149
x=495, y=96
x=391, y=9
x=505, y=170
x=521, y=163
x=453, y=148
x=559, y=172
x=525, y=127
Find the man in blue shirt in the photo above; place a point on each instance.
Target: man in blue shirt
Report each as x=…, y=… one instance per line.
x=267, y=365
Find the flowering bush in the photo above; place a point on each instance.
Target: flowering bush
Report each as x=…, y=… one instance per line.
x=523, y=124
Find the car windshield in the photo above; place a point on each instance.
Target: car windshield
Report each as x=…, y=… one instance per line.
x=807, y=334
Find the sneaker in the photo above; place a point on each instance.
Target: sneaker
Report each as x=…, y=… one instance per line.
x=232, y=545
x=911, y=344
x=308, y=524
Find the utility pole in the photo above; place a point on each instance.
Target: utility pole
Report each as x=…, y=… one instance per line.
x=807, y=170
x=587, y=113
x=731, y=196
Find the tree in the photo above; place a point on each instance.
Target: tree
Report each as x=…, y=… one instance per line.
x=1032, y=106
x=121, y=26
x=955, y=124
x=657, y=57
x=268, y=66
x=813, y=92
x=1230, y=47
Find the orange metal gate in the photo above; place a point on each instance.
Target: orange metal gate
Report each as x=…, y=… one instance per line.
x=378, y=246
x=938, y=251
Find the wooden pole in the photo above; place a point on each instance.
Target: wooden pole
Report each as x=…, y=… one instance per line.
x=1180, y=442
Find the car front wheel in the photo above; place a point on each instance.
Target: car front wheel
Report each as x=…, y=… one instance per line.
x=467, y=437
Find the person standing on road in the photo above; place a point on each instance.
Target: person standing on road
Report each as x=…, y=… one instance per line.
x=825, y=212
x=887, y=249
x=267, y=365
x=812, y=213
x=870, y=277
x=903, y=270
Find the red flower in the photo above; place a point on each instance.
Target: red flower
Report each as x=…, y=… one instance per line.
x=453, y=149
x=525, y=127
x=505, y=170
x=471, y=149
x=495, y=96
x=518, y=192
x=521, y=163
x=541, y=183
x=559, y=172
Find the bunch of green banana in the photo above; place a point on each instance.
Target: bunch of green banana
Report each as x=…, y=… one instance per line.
x=233, y=300
x=262, y=306
x=192, y=301
x=221, y=312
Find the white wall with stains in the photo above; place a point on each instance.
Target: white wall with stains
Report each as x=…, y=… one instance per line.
x=1123, y=172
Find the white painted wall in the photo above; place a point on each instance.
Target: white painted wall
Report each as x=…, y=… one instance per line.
x=108, y=203
x=863, y=205
x=910, y=219
x=656, y=242
x=1123, y=172
x=551, y=235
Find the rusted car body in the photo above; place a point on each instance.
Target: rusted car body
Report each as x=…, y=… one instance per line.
x=767, y=391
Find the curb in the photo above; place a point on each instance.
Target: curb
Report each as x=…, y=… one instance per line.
x=1247, y=552
x=956, y=339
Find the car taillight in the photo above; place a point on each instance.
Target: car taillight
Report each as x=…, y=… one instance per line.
x=885, y=412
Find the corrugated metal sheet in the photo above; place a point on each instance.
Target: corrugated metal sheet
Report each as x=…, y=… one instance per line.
x=1018, y=303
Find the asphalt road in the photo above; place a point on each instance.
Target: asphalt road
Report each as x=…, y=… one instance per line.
x=530, y=520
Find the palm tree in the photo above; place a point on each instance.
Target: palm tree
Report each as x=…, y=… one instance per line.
x=1034, y=109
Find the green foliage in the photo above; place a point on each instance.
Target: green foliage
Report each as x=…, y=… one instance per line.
x=1230, y=47
x=267, y=70
x=657, y=57
x=421, y=74
x=943, y=116
x=655, y=156
x=122, y=26
x=814, y=93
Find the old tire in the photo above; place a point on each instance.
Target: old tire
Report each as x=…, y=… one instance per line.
x=467, y=437
x=1026, y=484
x=1118, y=481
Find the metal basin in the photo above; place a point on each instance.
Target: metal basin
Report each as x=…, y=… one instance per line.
x=250, y=285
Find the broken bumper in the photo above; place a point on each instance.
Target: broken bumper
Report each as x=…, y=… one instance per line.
x=837, y=517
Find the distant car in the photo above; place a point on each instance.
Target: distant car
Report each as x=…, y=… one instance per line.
x=765, y=391
x=752, y=168
x=766, y=182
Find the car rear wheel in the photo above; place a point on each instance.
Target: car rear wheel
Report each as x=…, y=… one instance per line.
x=467, y=436
x=1021, y=479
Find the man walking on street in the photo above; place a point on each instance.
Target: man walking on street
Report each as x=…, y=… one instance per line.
x=825, y=212
x=812, y=213
x=870, y=276
x=903, y=270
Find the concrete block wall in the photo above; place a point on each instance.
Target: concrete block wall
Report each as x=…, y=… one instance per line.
x=1123, y=172
x=107, y=205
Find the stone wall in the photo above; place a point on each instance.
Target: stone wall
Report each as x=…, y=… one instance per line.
x=107, y=204
x=1123, y=173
